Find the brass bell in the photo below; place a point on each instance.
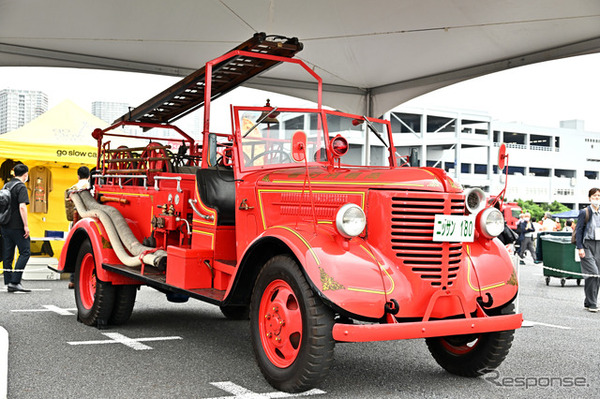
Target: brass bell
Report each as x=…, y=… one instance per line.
x=272, y=116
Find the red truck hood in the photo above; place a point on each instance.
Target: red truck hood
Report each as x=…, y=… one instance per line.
x=422, y=179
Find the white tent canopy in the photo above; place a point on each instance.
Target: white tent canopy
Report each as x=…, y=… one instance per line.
x=372, y=55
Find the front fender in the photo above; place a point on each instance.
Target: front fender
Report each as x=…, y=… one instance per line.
x=92, y=229
x=491, y=271
x=346, y=273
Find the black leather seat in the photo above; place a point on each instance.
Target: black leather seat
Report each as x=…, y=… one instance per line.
x=217, y=191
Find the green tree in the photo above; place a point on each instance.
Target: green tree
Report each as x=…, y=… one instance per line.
x=534, y=209
x=557, y=207
x=537, y=210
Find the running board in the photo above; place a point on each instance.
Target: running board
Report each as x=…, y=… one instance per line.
x=153, y=278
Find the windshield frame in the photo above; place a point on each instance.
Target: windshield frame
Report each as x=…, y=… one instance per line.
x=323, y=130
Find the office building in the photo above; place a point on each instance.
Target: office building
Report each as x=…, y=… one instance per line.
x=109, y=111
x=544, y=165
x=18, y=107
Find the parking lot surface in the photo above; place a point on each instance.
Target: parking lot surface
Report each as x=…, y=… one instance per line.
x=191, y=351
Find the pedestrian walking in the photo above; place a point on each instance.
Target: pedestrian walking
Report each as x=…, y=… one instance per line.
x=526, y=231
x=587, y=238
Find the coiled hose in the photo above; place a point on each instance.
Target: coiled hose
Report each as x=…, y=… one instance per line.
x=127, y=248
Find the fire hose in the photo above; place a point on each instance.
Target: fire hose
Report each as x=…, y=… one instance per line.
x=127, y=248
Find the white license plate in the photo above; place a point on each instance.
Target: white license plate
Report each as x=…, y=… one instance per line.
x=454, y=228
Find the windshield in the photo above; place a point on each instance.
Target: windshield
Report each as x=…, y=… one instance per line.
x=368, y=145
x=266, y=137
x=270, y=141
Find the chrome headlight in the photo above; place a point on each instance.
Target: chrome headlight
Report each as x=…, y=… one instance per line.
x=474, y=200
x=350, y=220
x=491, y=222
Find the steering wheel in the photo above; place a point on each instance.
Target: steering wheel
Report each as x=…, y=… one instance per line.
x=262, y=154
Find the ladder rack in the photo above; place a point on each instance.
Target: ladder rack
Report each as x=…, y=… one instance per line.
x=188, y=94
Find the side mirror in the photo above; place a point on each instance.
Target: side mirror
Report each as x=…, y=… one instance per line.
x=502, y=156
x=299, y=146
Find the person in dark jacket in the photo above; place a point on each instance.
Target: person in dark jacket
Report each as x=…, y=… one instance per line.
x=526, y=232
x=15, y=233
x=587, y=238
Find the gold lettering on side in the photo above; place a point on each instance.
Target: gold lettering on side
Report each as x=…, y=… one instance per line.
x=513, y=279
x=328, y=283
x=106, y=244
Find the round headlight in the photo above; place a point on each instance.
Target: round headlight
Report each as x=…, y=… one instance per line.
x=474, y=200
x=350, y=220
x=492, y=222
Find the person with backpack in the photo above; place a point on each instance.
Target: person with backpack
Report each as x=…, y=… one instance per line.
x=587, y=241
x=15, y=231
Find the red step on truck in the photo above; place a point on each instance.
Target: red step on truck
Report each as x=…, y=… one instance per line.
x=304, y=221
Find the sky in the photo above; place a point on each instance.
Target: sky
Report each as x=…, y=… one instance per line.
x=541, y=94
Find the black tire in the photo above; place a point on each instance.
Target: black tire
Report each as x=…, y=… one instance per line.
x=472, y=355
x=124, y=302
x=298, y=355
x=94, y=298
x=241, y=312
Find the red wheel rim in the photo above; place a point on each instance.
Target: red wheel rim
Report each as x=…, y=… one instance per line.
x=460, y=348
x=87, y=281
x=280, y=323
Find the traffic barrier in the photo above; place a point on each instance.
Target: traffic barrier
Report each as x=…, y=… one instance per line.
x=569, y=272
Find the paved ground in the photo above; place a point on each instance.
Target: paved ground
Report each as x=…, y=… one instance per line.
x=191, y=351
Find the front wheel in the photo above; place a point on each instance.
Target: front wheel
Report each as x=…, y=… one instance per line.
x=290, y=328
x=472, y=355
x=94, y=298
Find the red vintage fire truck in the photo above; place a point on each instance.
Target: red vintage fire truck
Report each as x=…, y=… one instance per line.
x=510, y=210
x=305, y=221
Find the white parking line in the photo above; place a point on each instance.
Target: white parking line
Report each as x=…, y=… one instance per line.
x=3, y=363
x=243, y=393
x=529, y=323
x=116, y=338
x=50, y=308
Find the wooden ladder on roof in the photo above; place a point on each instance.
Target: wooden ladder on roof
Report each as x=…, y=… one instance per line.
x=188, y=94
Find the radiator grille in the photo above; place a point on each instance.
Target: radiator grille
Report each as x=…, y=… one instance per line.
x=412, y=231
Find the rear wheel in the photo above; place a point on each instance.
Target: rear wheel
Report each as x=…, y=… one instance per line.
x=124, y=302
x=290, y=328
x=94, y=298
x=472, y=355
